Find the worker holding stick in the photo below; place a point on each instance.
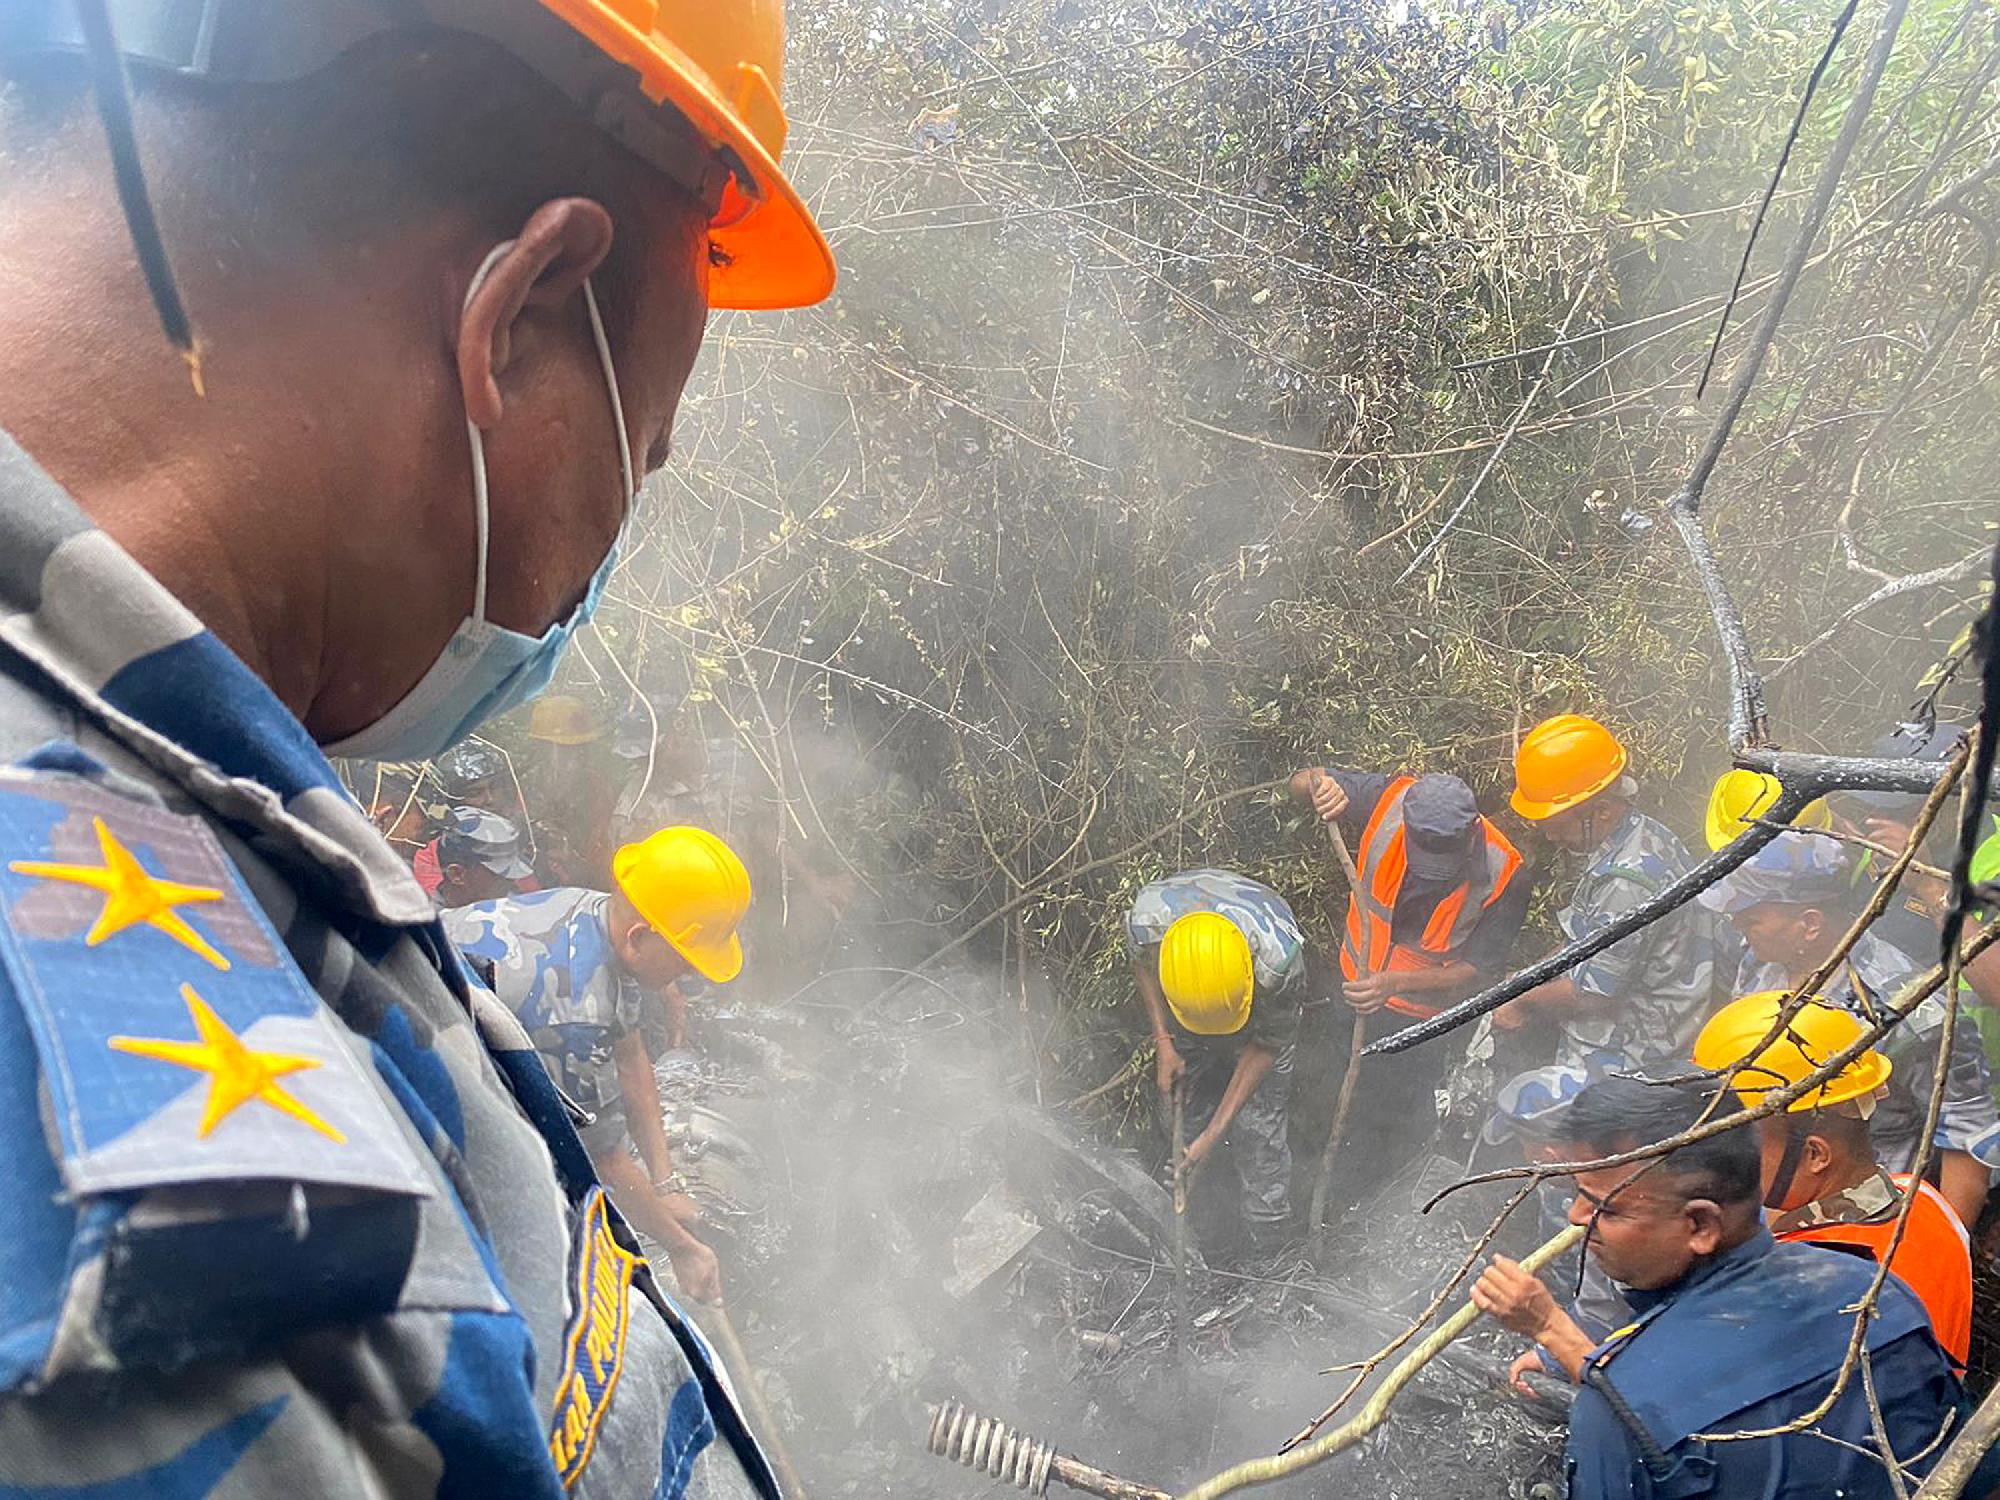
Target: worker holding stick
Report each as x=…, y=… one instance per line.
x=1437, y=897
x=1220, y=964
x=1732, y=1331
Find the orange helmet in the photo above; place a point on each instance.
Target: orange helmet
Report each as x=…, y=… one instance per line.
x=1564, y=761
x=721, y=64
x=691, y=86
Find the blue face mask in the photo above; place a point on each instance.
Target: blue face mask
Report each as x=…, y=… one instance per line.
x=486, y=669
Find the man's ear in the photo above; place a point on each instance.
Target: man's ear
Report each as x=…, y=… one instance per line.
x=1817, y=1155
x=632, y=942
x=1704, y=1219
x=562, y=245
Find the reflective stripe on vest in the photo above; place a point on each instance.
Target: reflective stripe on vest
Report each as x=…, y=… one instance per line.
x=1368, y=943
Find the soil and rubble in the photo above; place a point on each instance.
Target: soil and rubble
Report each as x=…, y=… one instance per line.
x=898, y=1231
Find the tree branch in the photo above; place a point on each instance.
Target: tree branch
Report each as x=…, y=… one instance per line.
x=1747, y=722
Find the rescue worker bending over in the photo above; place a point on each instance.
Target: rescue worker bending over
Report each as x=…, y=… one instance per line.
x=1220, y=964
x=1642, y=998
x=577, y=967
x=1442, y=897
x=1792, y=901
x=1821, y=1181
x=291, y=1209
x=1732, y=1331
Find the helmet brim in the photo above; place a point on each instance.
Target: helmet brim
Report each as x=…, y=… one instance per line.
x=1536, y=812
x=774, y=256
x=718, y=963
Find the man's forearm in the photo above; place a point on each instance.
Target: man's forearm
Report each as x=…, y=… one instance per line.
x=1963, y=1181
x=627, y=1183
x=1561, y=997
x=1253, y=1066
x=645, y=1115
x=1565, y=1340
x=1456, y=975
x=1153, y=1000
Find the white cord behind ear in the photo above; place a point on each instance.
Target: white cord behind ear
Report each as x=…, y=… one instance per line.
x=481, y=516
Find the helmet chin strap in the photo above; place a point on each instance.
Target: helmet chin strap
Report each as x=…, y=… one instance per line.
x=1788, y=1164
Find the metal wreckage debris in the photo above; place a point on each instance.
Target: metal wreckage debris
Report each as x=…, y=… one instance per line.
x=907, y=1249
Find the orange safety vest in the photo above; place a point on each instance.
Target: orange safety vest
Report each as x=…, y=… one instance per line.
x=1368, y=945
x=1934, y=1260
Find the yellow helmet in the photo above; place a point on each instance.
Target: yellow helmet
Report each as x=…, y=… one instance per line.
x=693, y=891
x=1741, y=797
x=560, y=719
x=1816, y=1033
x=1206, y=973
x=1564, y=761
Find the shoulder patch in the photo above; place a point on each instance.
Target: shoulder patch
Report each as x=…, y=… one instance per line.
x=178, y=1041
x=600, y=1314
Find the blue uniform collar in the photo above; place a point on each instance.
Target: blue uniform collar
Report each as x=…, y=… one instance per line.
x=1743, y=1327
x=131, y=658
x=1607, y=850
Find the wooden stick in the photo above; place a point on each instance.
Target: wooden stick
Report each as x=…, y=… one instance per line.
x=719, y=1323
x=1079, y=1475
x=1376, y=1410
x=1358, y=1040
x=1179, y=1110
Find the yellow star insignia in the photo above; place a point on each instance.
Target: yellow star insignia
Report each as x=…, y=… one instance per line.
x=131, y=895
x=236, y=1073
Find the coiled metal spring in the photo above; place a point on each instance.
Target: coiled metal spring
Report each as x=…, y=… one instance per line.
x=991, y=1447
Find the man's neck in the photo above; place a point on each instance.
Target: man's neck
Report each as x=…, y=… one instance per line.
x=106, y=407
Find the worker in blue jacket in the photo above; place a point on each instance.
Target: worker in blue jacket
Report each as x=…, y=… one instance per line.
x=1732, y=1331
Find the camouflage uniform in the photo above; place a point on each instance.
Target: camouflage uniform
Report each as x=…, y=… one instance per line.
x=1874, y=1200
x=1659, y=981
x=1259, y=1146
x=289, y=1209
x=1872, y=975
x=549, y=955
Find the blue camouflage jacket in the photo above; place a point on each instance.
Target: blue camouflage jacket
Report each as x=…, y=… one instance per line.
x=553, y=967
x=1657, y=984
x=290, y=1209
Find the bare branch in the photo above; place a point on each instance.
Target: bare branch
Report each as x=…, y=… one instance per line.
x=1499, y=448
x=1258, y=1471
x=1747, y=723
x=1777, y=176
x=1895, y=588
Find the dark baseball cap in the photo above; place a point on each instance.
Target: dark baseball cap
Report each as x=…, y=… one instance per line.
x=1440, y=816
